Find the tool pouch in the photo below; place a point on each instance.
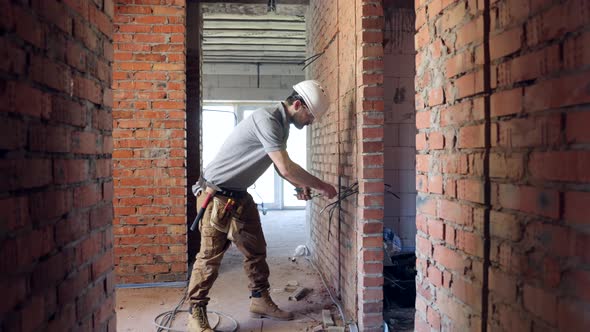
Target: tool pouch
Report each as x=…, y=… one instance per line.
x=220, y=219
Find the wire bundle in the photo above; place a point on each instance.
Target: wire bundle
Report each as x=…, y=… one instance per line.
x=342, y=195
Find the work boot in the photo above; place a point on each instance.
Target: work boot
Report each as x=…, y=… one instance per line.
x=262, y=306
x=198, y=321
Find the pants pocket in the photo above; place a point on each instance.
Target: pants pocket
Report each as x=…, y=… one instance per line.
x=221, y=213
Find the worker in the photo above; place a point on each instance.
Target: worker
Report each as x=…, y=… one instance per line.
x=232, y=215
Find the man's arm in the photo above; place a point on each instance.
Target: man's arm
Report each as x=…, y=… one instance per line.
x=299, y=177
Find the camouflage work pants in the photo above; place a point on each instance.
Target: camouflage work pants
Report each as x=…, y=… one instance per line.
x=247, y=237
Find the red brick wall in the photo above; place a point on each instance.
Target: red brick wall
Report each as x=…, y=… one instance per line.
x=347, y=146
x=502, y=95
x=56, y=262
x=149, y=121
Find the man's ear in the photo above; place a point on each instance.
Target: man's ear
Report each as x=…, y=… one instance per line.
x=297, y=104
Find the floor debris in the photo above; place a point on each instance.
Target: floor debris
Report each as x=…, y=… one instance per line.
x=327, y=318
x=298, y=294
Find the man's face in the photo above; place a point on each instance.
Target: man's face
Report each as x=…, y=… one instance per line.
x=303, y=116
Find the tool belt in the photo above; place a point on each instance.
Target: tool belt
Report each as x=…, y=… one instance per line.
x=232, y=193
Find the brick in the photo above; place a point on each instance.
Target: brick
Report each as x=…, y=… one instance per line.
x=426, y=205
x=554, y=93
x=472, y=137
x=529, y=199
x=575, y=130
x=530, y=132
x=436, y=141
x=505, y=226
x=422, y=37
x=468, y=292
x=506, y=43
x=422, y=183
x=470, y=32
x=470, y=190
x=469, y=84
x=570, y=316
x=529, y=66
x=433, y=318
x=577, y=52
x=435, y=184
x=560, y=166
x=507, y=102
x=421, y=141
x=449, y=259
x=563, y=19
x=470, y=243
x=502, y=285
x=507, y=166
x=541, y=303
x=577, y=208
x=423, y=246
x=423, y=120
x=436, y=229
x=422, y=163
x=436, y=96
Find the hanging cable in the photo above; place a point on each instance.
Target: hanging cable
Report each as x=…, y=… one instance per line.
x=311, y=59
x=345, y=193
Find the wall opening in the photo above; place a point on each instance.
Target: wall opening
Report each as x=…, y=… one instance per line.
x=399, y=222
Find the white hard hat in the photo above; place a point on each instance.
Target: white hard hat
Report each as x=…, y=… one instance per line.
x=314, y=96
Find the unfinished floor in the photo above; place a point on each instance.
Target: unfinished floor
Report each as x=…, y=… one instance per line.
x=284, y=231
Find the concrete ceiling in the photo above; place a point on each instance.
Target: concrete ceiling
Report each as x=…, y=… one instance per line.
x=253, y=32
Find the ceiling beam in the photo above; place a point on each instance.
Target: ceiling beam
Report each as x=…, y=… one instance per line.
x=252, y=9
x=253, y=41
x=253, y=48
x=269, y=17
x=253, y=34
x=252, y=25
x=252, y=60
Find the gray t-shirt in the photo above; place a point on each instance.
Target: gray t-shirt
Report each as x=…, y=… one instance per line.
x=243, y=157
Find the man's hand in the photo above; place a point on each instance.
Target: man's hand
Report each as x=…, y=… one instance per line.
x=328, y=190
x=303, y=194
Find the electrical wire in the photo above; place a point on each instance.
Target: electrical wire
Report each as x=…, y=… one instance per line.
x=167, y=318
x=342, y=195
x=336, y=302
x=311, y=59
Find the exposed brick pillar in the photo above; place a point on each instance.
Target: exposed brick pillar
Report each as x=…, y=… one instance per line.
x=370, y=115
x=149, y=138
x=540, y=166
x=347, y=146
x=56, y=261
x=450, y=166
x=502, y=90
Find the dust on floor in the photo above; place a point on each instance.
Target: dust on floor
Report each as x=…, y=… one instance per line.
x=137, y=308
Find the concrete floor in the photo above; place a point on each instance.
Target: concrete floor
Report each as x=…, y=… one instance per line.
x=284, y=231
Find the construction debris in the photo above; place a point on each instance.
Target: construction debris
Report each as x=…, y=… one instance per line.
x=318, y=328
x=335, y=329
x=327, y=318
x=298, y=294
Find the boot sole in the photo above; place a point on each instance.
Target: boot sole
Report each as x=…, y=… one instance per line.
x=259, y=316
